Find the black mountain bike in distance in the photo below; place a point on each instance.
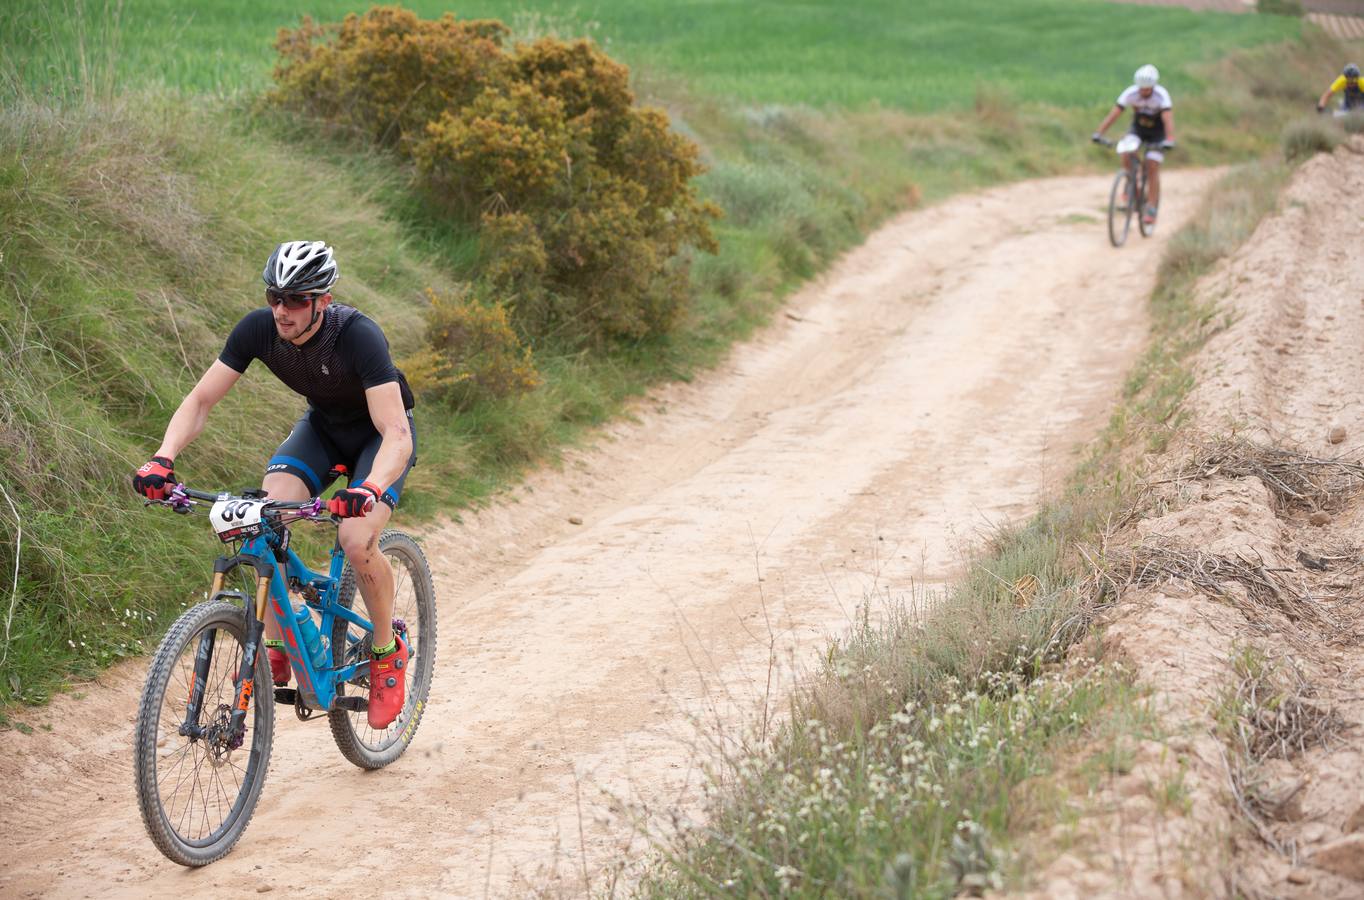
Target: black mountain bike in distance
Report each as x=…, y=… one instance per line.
x=1128, y=195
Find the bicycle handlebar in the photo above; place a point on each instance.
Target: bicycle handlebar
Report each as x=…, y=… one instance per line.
x=182, y=499
x=1156, y=145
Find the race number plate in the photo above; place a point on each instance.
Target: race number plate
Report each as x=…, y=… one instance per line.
x=236, y=519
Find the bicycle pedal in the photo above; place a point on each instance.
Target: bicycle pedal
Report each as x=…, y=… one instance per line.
x=352, y=704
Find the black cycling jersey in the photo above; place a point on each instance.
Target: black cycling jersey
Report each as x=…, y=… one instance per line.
x=332, y=369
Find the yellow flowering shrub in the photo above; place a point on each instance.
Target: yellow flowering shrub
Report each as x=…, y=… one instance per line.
x=472, y=353
x=585, y=201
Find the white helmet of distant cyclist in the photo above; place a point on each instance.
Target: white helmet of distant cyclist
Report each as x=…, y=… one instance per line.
x=301, y=267
x=1146, y=76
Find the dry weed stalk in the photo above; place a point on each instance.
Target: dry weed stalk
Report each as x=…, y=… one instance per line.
x=1268, y=713
x=1294, y=479
x=1278, y=719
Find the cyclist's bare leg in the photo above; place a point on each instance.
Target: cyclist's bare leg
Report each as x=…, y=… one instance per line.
x=359, y=537
x=282, y=486
x=1152, y=183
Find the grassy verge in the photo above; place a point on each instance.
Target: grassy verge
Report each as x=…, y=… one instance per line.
x=901, y=769
x=136, y=219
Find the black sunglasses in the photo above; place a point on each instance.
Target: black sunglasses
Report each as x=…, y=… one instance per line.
x=291, y=301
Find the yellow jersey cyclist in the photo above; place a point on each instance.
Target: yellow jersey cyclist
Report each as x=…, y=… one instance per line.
x=1153, y=120
x=1349, y=87
x=359, y=417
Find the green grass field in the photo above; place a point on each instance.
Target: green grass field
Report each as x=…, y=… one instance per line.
x=923, y=56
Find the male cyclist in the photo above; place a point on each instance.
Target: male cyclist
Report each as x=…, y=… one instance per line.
x=1153, y=120
x=359, y=415
x=1350, y=88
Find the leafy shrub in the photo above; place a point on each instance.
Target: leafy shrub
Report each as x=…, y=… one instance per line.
x=587, y=202
x=509, y=145
x=516, y=261
x=386, y=74
x=473, y=354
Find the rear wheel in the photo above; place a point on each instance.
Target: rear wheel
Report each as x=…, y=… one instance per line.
x=414, y=604
x=197, y=793
x=1120, y=203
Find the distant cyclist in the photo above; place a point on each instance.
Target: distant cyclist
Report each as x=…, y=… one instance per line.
x=1349, y=87
x=359, y=415
x=1153, y=120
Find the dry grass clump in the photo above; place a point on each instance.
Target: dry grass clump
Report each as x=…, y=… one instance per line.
x=1147, y=565
x=1267, y=712
x=1294, y=479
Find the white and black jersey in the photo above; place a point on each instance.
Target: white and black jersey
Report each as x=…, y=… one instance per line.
x=1147, y=123
x=332, y=369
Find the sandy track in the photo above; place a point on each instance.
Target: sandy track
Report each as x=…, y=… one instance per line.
x=936, y=381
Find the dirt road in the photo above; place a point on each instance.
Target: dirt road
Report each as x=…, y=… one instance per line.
x=935, y=382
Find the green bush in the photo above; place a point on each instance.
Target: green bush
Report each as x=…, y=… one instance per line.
x=591, y=196
x=386, y=74
x=473, y=354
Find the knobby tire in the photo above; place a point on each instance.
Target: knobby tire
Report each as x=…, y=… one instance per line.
x=415, y=603
x=183, y=785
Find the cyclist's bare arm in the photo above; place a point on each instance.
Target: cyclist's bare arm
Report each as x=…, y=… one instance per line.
x=1110, y=118
x=1168, y=117
x=386, y=410
x=192, y=413
x=1326, y=97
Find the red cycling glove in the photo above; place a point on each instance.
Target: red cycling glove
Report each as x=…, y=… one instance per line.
x=155, y=479
x=354, y=501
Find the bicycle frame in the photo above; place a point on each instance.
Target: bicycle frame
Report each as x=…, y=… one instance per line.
x=316, y=686
x=276, y=567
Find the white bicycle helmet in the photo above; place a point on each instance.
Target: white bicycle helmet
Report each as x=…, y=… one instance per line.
x=303, y=267
x=1146, y=76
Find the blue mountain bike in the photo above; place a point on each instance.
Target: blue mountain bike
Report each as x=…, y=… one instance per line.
x=202, y=744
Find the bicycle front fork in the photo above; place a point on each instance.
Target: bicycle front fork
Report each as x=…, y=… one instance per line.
x=246, y=672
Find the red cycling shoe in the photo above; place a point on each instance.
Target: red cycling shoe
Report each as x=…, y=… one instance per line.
x=388, y=685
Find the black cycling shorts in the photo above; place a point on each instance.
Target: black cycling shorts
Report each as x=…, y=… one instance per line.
x=1150, y=135
x=314, y=447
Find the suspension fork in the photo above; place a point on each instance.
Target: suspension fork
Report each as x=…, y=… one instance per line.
x=246, y=676
x=246, y=672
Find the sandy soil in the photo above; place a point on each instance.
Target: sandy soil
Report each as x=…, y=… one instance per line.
x=1286, y=374
x=935, y=382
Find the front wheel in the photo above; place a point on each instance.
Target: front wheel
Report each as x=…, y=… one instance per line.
x=197, y=793
x=414, y=603
x=1121, y=201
